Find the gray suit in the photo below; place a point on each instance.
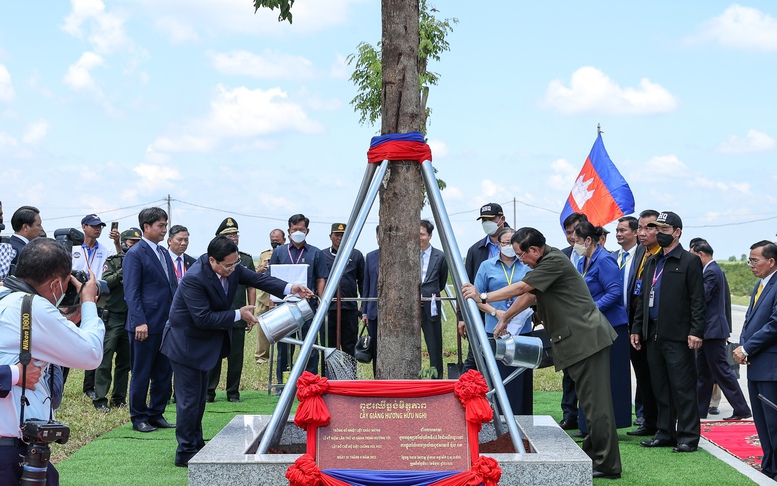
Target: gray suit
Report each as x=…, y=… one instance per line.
x=433, y=284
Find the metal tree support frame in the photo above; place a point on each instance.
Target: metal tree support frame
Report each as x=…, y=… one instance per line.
x=365, y=198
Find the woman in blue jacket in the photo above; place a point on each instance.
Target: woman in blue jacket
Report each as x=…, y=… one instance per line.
x=605, y=282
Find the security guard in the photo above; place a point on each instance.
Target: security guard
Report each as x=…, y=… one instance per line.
x=116, y=337
x=245, y=296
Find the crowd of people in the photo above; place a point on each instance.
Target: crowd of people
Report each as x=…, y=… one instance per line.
x=170, y=319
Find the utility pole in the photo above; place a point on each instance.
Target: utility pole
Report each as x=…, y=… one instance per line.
x=169, y=213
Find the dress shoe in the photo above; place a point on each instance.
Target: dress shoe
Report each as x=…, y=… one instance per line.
x=639, y=421
x=739, y=417
x=210, y=399
x=91, y=394
x=568, y=424
x=234, y=400
x=604, y=475
x=143, y=427
x=642, y=432
x=161, y=423
x=579, y=435
x=684, y=448
x=181, y=464
x=657, y=443
x=714, y=411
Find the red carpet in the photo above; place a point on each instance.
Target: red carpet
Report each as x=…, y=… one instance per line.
x=738, y=438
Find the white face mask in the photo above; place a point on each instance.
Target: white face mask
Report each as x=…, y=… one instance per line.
x=490, y=227
x=62, y=295
x=508, y=251
x=297, y=237
x=580, y=248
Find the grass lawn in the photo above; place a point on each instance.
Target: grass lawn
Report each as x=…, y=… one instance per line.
x=104, y=449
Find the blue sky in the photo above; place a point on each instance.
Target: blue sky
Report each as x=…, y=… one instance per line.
x=108, y=107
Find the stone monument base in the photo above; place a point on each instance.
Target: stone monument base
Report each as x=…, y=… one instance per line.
x=230, y=458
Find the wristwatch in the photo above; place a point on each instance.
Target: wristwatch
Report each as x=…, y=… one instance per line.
x=493, y=313
x=483, y=297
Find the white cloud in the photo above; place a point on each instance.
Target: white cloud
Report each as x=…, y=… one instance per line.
x=340, y=68
x=7, y=142
x=664, y=165
x=154, y=175
x=36, y=131
x=78, y=75
x=439, y=148
x=592, y=91
x=269, y=65
x=492, y=190
x=453, y=193
x=239, y=113
x=754, y=141
x=705, y=183
x=740, y=28
x=107, y=33
x=6, y=87
x=563, y=176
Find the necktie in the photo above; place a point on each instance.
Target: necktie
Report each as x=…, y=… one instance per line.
x=163, y=260
x=422, y=267
x=180, y=268
x=758, y=293
x=224, y=284
x=622, y=264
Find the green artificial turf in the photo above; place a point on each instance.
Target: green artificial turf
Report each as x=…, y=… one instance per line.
x=123, y=456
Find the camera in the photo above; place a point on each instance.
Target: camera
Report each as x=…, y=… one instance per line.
x=72, y=296
x=39, y=434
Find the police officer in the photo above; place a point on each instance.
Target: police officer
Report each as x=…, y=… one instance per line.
x=116, y=337
x=245, y=296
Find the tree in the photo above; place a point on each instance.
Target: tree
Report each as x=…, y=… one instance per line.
x=368, y=76
x=399, y=314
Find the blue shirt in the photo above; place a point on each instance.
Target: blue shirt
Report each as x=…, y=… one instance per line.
x=308, y=254
x=495, y=274
x=603, y=278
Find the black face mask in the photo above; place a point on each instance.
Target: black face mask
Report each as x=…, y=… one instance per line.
x=664, y=240
x=275, y=244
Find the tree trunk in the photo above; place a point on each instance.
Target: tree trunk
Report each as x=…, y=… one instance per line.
x=399, y=312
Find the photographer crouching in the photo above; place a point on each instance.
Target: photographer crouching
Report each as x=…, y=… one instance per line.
x=45, y=337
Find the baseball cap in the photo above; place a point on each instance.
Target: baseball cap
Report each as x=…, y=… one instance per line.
x=490, y=210
x=92, y=220
x=667, y=218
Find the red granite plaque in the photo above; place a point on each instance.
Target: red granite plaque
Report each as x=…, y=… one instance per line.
x=408, y=434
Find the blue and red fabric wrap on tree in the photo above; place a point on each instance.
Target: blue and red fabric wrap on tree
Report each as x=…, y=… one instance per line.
x=399, y=146
x=312, y=413
x=600, y=191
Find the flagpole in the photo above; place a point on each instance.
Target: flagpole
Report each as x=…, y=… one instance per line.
x=599, y=129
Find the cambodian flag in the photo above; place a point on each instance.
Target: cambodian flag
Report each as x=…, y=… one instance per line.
x=600, y=191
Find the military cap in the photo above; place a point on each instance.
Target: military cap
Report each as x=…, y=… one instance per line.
x=226, y=227
x=131, y=234
x=338, y=228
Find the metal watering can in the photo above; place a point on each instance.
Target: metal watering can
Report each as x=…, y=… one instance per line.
x=285, y=319
x=518, y=351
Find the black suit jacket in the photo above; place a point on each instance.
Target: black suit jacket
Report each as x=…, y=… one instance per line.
x=199, y=331
x=681, y=309
x=18, y=245
x=714, y=295
x=436, y=278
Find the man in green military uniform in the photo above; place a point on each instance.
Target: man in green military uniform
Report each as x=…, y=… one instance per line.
x=245, y=296
x=116, y=340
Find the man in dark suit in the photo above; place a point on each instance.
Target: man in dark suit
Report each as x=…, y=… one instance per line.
x=669, y=321
x=568, y=395
x=199, y=332
x=758, y=350
x=26, y=226
x=149, y=285
x=370, y=308
x=711, y=362
x=177, y=243
x=644, y=399
x=434, y=277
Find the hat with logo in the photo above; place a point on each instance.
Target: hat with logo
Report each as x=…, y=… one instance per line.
x=667, y=219
x=226, y=227
x=92, y=220
x=337, y=228
x=131, y=234
x=490, y=210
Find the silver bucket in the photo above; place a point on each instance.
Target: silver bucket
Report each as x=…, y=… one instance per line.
x=285, y=319
x=519, y=351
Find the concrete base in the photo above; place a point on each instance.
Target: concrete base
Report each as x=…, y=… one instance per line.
x=229, y=458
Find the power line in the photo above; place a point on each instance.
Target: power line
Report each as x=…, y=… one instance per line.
x=106, y=211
